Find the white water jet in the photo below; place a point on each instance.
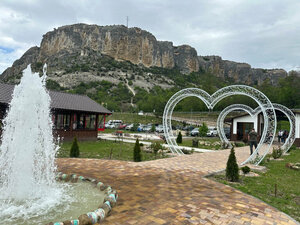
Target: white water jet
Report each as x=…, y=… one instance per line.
x=27, y=152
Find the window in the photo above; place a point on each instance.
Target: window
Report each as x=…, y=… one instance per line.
x=61, y=121
x=101, y=122
x=84, y=121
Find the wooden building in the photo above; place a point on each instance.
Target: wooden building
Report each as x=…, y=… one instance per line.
x=72, y=114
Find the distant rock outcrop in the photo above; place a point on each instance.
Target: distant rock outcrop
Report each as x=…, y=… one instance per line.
x=239, y=72
x=61, y=47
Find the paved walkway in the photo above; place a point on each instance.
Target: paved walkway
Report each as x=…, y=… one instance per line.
x=174, y=191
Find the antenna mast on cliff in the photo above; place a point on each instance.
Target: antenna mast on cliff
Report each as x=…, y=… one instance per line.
x=127, y=19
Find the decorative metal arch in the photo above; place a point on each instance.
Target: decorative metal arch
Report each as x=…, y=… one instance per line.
x=211, y=100
x=225, y=112
x=289, y=114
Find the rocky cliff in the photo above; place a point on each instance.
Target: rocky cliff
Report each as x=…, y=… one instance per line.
x=83, y=46
x=239, y=72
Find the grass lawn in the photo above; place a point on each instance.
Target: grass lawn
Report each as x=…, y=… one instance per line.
x=101, y=150
x=263, y=187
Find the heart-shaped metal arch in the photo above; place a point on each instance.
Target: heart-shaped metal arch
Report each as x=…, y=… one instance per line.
x=226, y=111
x=211, y=100
x=288, y=113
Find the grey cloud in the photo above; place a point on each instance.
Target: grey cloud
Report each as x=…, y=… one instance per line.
x=261, y=33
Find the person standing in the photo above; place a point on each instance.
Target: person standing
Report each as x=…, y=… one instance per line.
x=284, y=136
x=252, y=137
x=279, y=136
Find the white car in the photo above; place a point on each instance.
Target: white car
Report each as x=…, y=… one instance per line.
x=212, y=132
x=129, y=127
x=195, y=132
x=159, y=128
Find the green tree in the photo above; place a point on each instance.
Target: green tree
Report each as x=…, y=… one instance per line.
x=74, y=152
x=137, y=157
x=179, y=138
x=232, y=168
x=203, y=130
x=153, y=128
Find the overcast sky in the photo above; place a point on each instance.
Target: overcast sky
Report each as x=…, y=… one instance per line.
x=263, y=33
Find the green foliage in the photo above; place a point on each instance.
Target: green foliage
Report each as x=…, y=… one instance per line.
x=179, y=138
x=102, y=149
x=246, y=169
x=117, y=97
x=292, y=148
x=137, y=156
x=135, y=127
x=232, y=168
x=156, y=146
x=74, y=152
x=283, y=125
x=203, y=130
x=262, y=186
x=53, y=85
x=277, y=152
x=239, y=144
x=153, y=128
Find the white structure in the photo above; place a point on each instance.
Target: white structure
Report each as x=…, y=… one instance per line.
x=240, y=126
x=211, y=100
x=255, y=120
x=297, y=115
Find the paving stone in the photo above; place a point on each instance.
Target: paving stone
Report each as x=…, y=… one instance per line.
x=165, y=191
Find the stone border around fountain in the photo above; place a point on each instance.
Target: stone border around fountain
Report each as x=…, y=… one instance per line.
x=97, y=216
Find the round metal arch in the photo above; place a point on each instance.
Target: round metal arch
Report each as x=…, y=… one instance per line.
x=211, y=100
x=288, y=113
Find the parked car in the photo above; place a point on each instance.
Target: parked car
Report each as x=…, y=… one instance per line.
x=159, y=129
x=188, y=128
x=148, y=128
x=109, y=125
x=195, y=132
x=141, y=128
x=122, y=126
x=212, y=132
x=129, y=127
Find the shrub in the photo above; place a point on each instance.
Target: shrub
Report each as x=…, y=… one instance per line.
x=74, y=152
x=232, y=168
x=203, y=130
x=245, y=169
x=135, y=127
x=153, y=128
x=156, y=146
x=292, y=148
x=179, y=138
x=186, y=152
x=137, y=157
x=239, y=144
x=277, y=152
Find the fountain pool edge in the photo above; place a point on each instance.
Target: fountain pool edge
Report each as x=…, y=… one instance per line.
x=98, y=215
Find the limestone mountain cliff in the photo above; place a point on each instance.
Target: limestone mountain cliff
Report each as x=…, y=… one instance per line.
x=80, y=52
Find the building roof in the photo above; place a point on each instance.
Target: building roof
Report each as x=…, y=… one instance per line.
x=60, y=100
x=243, y=114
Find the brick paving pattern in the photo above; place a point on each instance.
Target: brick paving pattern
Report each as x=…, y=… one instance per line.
x=174, y=191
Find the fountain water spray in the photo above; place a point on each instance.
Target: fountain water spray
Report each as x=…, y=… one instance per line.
x=27, y=152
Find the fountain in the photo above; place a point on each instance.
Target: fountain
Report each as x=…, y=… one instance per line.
x=29, y=192
x=27, y=152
